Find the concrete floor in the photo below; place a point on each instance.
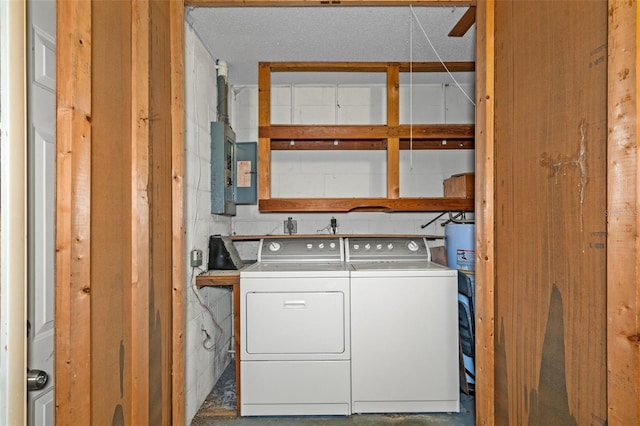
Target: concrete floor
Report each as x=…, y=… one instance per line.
x=466, y=417
x=222, y=399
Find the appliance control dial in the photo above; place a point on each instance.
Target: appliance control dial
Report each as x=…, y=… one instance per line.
x=321, y=245
x=274, y=246
x=367, y=246
x=413, y=246
x=309, y=246
x=378, y=246
x=332, y=246
x=356, y=246
x=389, y=246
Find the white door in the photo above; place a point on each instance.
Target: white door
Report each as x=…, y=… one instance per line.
x=41, y=204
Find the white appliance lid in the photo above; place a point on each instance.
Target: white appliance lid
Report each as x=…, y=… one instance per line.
x=397, y=266
x=296, y=269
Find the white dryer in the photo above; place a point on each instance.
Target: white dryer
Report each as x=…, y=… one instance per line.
x=294, y=318
x=404, y=328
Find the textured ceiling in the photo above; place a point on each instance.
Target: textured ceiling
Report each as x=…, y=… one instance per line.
x=245, y=36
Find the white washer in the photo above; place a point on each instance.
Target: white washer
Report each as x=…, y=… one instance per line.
x=295, y=335
x=404, y=328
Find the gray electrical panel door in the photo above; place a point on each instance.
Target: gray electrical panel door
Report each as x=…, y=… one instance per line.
x=222, y=169
x=246, y=180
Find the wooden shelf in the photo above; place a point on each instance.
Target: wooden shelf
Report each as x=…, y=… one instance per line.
x=365, y=204
x=371, y=145
x=390, y=137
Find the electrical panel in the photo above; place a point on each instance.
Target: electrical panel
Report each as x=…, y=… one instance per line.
x=234, y=170
x=223, y=169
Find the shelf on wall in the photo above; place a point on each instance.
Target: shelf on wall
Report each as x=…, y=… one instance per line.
x=391, y=137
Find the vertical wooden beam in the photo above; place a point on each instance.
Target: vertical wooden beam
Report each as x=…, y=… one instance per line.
x=73, y=207
x=140, y=268
x=623, y=245
x=176, y=25
x=264, y=120
x=484, y=214
x=393, y=121
x=111, y=209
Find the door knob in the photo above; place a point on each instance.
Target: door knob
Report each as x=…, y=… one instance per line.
x=36, y=380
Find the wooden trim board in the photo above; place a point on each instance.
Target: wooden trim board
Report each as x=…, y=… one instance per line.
x=623, y=245
x=484, y=214
x=73, y=206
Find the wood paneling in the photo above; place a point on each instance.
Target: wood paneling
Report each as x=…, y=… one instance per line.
x=140, y=170
x=550, y=212
x=160, y=201
x=73, y=206
x=178, y=312
x=116, y=180
x=484, y=213
x=111, y=218
x=623, y=246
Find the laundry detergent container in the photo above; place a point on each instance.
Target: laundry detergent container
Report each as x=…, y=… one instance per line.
x=459, y=241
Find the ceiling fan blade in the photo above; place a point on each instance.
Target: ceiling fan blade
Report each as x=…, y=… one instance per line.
x=463, y=25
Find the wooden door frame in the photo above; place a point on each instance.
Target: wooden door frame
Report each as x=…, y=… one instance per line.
x=75, y=80
x=623, y=185
x=13, y=222
x=623, y=251
x=484, y=213
x=623, y=224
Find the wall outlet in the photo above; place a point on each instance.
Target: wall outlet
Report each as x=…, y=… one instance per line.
x=290, y=226
x=195, y=258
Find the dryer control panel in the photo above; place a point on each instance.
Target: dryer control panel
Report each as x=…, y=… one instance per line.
x=387, y=249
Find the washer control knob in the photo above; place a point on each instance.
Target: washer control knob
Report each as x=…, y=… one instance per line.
x=378, y=246
x=367, y=246
x=356, y=246
x=332, y=246
x=389, y=246
x=309, y=246
x=321, y=245
x=274, y=246
x=413, y=246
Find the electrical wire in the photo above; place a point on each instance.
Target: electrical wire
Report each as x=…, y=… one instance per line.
x=219, y=330
x=438, y=56
x=326, y=228
x=197, y=143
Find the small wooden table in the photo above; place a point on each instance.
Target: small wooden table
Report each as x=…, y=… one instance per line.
x=231, y=278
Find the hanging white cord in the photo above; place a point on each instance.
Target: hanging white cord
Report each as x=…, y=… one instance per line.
x=194, y=75
x=410, y=93
x=439, y=58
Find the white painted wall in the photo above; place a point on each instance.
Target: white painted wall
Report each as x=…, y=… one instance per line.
x=203, y=366
x=299, y=174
